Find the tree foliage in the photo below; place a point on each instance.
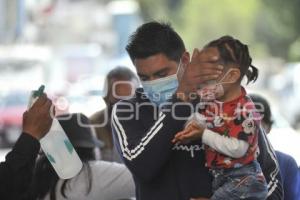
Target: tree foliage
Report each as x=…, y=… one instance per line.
x=271, y=27
x=279, y=26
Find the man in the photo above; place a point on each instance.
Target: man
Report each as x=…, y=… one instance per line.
x=16, y=172
x=288, y=165
x=119, y=82
x=145, y=125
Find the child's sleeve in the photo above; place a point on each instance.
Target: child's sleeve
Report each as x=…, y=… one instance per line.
x=235, y=141
x=226, y=145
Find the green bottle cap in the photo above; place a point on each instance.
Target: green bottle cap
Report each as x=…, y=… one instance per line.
x=39, y=92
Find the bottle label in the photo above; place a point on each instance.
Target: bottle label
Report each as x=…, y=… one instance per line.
x=50, y=158
x=69, y=146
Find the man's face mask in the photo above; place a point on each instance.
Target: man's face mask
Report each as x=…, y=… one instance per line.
x=213, y=91
x=160, y=90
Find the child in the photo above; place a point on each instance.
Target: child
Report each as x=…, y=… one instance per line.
x=228, y=126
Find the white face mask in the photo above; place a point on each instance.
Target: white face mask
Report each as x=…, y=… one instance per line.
x=215, y=90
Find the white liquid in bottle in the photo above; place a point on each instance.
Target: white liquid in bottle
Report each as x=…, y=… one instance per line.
x=59, y=150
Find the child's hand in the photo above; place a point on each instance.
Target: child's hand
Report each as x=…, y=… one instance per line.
x=190, y=133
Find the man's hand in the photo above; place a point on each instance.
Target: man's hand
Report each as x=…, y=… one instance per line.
x=190, y=133
x=37, y=120
x=204, y=66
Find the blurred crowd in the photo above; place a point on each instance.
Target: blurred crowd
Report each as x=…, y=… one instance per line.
x=80, y=56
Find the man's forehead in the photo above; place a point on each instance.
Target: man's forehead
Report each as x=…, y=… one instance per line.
x=153, y=63
x=156, y=58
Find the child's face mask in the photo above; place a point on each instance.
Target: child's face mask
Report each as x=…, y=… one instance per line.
x=215, y=90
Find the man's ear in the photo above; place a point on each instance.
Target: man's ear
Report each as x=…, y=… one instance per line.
x=185, y=58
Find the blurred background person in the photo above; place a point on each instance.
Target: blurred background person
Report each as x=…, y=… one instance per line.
x=120, y=83
x=288, y=166
x=97, y=179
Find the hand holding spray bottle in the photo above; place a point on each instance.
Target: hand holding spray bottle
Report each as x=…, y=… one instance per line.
x=57, y=146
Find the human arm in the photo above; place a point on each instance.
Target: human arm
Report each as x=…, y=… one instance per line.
x=290, y=175
x=147, y=144
x=16, y=171
x=270, y=167
x=196, y=129
x=229, y=146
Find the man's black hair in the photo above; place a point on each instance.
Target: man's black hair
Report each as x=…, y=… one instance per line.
x=153, y=38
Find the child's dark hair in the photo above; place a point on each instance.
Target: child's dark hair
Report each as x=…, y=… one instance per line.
x=154, y=38
x=233, y=51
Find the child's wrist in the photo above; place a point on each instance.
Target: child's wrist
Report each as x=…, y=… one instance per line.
x=202, y=132
x=200, y=129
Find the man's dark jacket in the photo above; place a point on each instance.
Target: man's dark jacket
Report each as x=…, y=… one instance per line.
x=162, y=170
x=17, y=170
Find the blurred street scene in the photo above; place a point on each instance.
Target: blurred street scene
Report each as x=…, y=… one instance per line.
x=70, y=45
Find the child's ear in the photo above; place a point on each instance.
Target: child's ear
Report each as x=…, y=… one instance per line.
x=234, y=75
